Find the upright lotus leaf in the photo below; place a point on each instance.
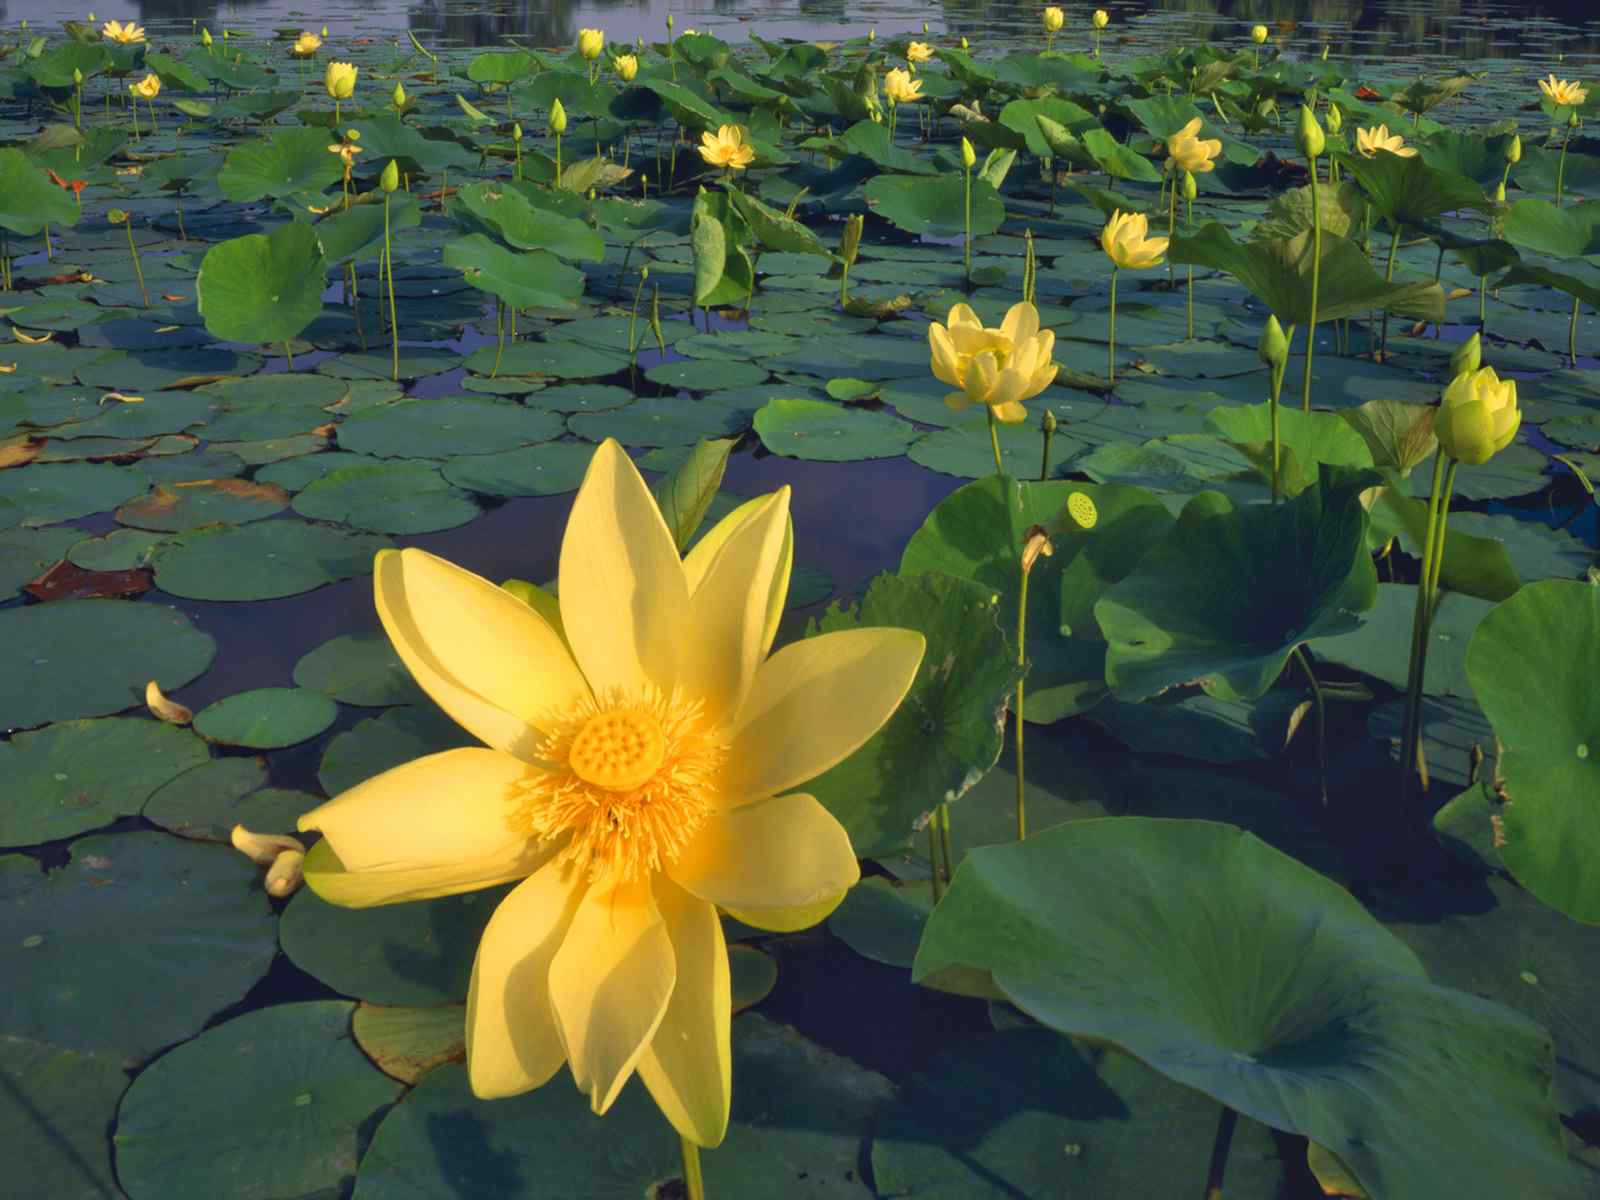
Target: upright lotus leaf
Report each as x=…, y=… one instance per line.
x=1570, y=232
x=1424, y=95
x=1534, y=663
x=977, y=533
x=492, y=206
x=1472, y=565
x=1399, y=436
x=1408, y=191
x=935, y=206
x=1481, y=157
x=870, y=140
x=1278, y=273
x=501, y=67
x=1310, y=439
x=288, y=162
x=28, y=200
x=1236, y=971
x=1117, y=160
x=352, y=234
x=1341, y=208
x=1163, y=116
x=1023, y=117
x=946, y=734
x=1584, y=286
x=262, y=287
x=1226, y=597
x=531, y=279
x=685, y=493
x=386, y=137
x=773, y=231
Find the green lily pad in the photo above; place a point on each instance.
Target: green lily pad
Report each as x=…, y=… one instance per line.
x=31, y=201
x=132, y=944
x=446, y=427
x=280, y=1093
x=964, y=448
x=883, y=920
x=660, y=421
x=543, y=470
x=376, y=744
x=262, y=287
x=87, y=658
x=406, y=1043
x=1380, y=646
x=207, y=801
x=1234, y=970
x=119, y=550
x=1533, y=662
x=262, y=561
x=55, y=1108
x=25, y=554
x=523, y=278
x=823, y=431
x=203, y=502
x=1195, y=725
x=358, y=668
x=555, y=359
x=403, y=497
x=289, y=162
x=143, y=371
x=706, y=375
x=266, y=718
x=48, y=493
x=935, y=206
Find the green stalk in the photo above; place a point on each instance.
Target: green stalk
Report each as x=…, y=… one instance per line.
x=945, y=842
x=137, y=269
x=1388, y=277
x=288, y=353
x=1316, y=285
x=933, y=857
x=1322, y=720
x=500, y=335
x=558, y=159
x=1111, y=351
x=1172, y=223
x=394, y=321
x=968, y=221
x=1044, y=461
x=1483, y=324
x=694, y=1183
x=994, y=440
x=1421, y=618
x=1188, y=223
x=1275, y=383
x=1561, y=166
x=1022, y=662
x=1572, y=336
x=1219, y=1153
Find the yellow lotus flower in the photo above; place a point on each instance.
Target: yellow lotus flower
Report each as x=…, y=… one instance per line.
x=1478, y=416
x=918, y=52
x=147, y=88
x=1191, y=152
x=641, y=754
x=1563, y=92
x=116, y=31
x=996, y=367
x=347, y=152
x=627, y=66
x=1370, y=141
x=1127, y=242
x=305, y=45
x=340, y=80
x=1101, y=18
x=727, y=148
x=590, y=43
x=1053, y=19
x=900, y=87
x=1258, y=34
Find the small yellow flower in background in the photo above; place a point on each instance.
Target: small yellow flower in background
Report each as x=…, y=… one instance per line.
x=638, y=775
x=1258, y=34
x=205, y=37
x=998, y=367
x=900, y=87
x=340, y=80
x=1190, y=151
x=1101, y=18
x=116, y=31
x=305, y=45
x=918, y=52
x=1127, y=242
x=590, y=43
x=347, y=152
x=1478, y=416
x=627, y=66
x=727, y=148
x=147, y=88
x=1053, y=19
x=1370, y=141
x=1564, y=92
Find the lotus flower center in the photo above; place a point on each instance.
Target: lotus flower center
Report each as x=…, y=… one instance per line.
x=618, y=750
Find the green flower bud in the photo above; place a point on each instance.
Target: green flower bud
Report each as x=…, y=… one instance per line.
x=1308, y=134
x=1335, y=118
x=969, y=156
x=1273, y=349
x=1514, y=150
x=77, y=76
x=516, y=132
x=1500, y=192
x=850, y=238
x=1478, y=416
x=558, y=117
x=117, y=216
x=1468, y=356
x=390, y=179
x=1048, y=421
x=1190, y=188
x=399, y=95
x=1572, y=119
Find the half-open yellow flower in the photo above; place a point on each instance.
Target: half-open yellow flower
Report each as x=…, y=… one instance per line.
x=340, y=80
x=1053, y=19
x=1562, y=91
x=1370, y=141
x=1192, y=153
x=305, y=45
x=116, y=31
x=1101, y=18
x=641, y=754
x=900, y=87
x=918, y=52
x=147, y=88
x=726, y=148
x=1478, y=416
x=591, y=42
x=1127, y=242
x=627, y=66
x=999, y=367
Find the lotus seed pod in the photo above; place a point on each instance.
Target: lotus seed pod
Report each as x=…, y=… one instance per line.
x=969, y=156
x=1514, y=150
x=1273, y=348
x=1308, y=134
x=558, y=117
x=1190, y=188
x=1468, y=356
x=390, y=179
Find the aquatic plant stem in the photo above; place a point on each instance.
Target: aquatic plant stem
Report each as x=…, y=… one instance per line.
x=1111, y=343
x=1322, y=720
x=1572, y=335
x=394, y=321
x=694, y=1183
x=288, y=353
x=1388, y=277
x=1561, y=166
x=1219, y=1153
x=1422, y=620
x=1316, y=285
x=1275, y=391
x=1188, y=224
x=500, y=335
x=945, y=842
x=1022, y=662
x=967, y=244
x=1044, y=460
x=994, y=441
x=934, y=880
x=138, y=271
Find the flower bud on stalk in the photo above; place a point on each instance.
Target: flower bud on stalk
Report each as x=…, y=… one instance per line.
x=969, y=156
x=1335, y=118
x=390, y=179
x=1308, y=134
x=1514, y=150
x=1190, y=188
x=1468, y=356
x=558, y=117
x=1273, y=349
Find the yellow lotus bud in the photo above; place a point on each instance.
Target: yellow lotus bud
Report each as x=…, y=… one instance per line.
x=558, y=117
x=77, y=76
x=964, y=43
x=590, y=43
x=1335, y=118
x=390, y=179
x=850, y=238
x=324, y=32
x=1468, y=356
x=1258, y=35
x=286, y=874
x=1053, y=19
x=1572, y=120
x=627, y=67
x=969, y=156
x=924, y=27
x=263, y=848
x=669, y=22
x=205, y=37
x=1273, y=349
x=1308, y=134
x=164, y=709
x=1324, y=51
x=340, y=80
x=1190, y=188
x=516, y=132
x=872, y=35
x=1514, y=150
x=1036, y=544
x=399, y=96
x=1101, y=18
x=1478, y=416
x=1500, y=192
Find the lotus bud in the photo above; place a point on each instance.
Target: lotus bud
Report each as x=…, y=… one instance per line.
x=399, y=96
x=286, y=874
x=1335, y=118
x=1324, y=52
x=1500, y=192
x=1190, y=188
x=969, y=156
x=1258, y=35
x=324, y=31
x=924, y=27
x=1047, y=423
x=558, y=117
x=1478, y=416
x=964, y=43
x=669, y=22
x=590, y=43
x=850, y=238
x=1053, y=19
x=1101, y=18
x=390, y=179
x=116, y=216
x=77, y=77
x=627, y=67
x=1273, y=349
x=1308, y=134
x=1572, y=119
x=1035, y=543
x=516, y=132
x=872, y=35
x=1514, y=150
x=644, y=274
x=205, y=37
x=164, y=709
x=1468, y=356
x=263, y=848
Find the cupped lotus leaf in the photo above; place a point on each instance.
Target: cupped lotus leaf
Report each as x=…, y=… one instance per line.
x=946, y=734
x=392, y=497
x=88, y=658
x=406, y=1042
x=262, y=287
x=358, y=668
x=774, y=231
x=266, y=718
x=1234, y=970
x=1278, y=273
x=1163, y=116
x=77, y=775
x=132, y=944
x=1480, y=156
x=55, y=1108
x=822, y=431
x=282, y=1092
x=501, y=66
x=1022, y=116
x=1399, y=436
x=28, y=200
x=535, y=279
x=498, y=208
x=870, y=140
x=1533, y=662
x=1309, y=438
x=1069, y=1121
x=1117, y=160
x=261, y=561
x=977, y=533
x=1408, y=191
x=288, y=162
x=358, y=230
x=935, y=206
x=1230, y=592
x=1538, y=225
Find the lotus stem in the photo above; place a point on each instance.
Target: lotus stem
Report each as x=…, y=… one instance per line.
x=1316, y=285
x=934, y=879
x=1322, y=720
x=1219, y=1152
x=500, y=335
x=394, y=320
x=1022, y=662
x=1388, y=277
x=1572, y=335
x=558, y=159
x=1111, y=344
x=1561, y=166
x=945, y=841
x=1044, y=461
x=994, y=441
x=633, y=320
x=1483, y=323
x=49, y=248
x=1411, y=758
x=154, y=128
x=694, y=1183
x=1275, y=384
x=137, y=269
x=288, y=353
x=1188, y=224
x=1172, y=225
x=967, y=220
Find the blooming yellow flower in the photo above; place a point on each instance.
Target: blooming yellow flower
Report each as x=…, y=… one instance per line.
x=996, y=367
x=305, y=45
x=727, y=148
x=1127, y=242
x=1478, y=416
x=340, y=80
x=1370, y=141
x=116, y=31
x=900, y=87
x=641, y=754
x=347, y=152
x=1258, y=34
x=1564, y=92
x=627, y=66
x=1053, y=19
x=590, y=43
x=1101, y=18
x=918, y=52
x=147, y=88
x=1190, y=151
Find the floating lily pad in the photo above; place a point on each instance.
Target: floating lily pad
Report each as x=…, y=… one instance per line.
x=706, y=375
x=446, y=427
x=660, y=421
x=140, y=372
x=555, y=359
x=266, y=718
x=824, y=431
x=172, y=509
x=47, y=493
x=1380, y=646
x=379, y=743
x=964, y=449
x=883, y=920
x=55, y=1108
x=26, y=554
x=262, y=561
x=546, y=470
x=406, y=1043
x=408, y=497
x=207, y=801
x=358, y=668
